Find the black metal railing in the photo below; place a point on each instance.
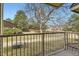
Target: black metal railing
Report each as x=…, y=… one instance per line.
x=35, y=44
x=73, y=42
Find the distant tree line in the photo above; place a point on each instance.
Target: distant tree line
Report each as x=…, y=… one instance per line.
x=36, y=17
x=72, y=24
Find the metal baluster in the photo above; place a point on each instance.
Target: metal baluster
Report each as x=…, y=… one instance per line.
x=27, y=45
x=37, y=41
x=1, y=46
x=43, y=43
x=47, y=44
x=24, y=45
x=20, y=44
x=53, y=47
x=65, y=41
x=78, y=44
x=32, y=45
x=35, y=46
x=50, y=43
x=16, y=45
x=7, y=46
x=39, y=45
x=12, y=45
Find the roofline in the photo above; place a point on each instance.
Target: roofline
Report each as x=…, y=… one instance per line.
x=10, y=22
x=55, y=5
x=75, y=7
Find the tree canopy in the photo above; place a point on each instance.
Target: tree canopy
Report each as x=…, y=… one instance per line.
x=72, y=24
x=20, y=20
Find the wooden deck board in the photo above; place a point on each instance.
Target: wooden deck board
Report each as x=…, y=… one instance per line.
x=69, y=52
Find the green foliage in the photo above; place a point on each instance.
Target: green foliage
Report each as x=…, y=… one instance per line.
x=12, y=31
x=17, y=30
x=0, y=25
x=73, y=24
x=35, y=25
x=20, y=20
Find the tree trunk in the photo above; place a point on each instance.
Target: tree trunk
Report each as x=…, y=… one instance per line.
x=41, y=30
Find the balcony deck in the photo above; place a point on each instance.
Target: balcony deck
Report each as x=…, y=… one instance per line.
x=69, y=52
x=40, y=44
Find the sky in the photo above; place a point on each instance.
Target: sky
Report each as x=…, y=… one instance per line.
x=61, y=15
x=10, y=10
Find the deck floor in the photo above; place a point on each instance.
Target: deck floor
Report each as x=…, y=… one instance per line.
x=69, y=52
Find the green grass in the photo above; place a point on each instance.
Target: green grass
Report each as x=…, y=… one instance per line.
x=54, y=43
x=35, y=48
x=72, y=40
x=9, y=39
x=31, y=37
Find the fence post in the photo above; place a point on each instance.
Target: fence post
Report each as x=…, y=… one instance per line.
x=66, y=40
x=43, y=44
x=1, y=46
x=78, y=43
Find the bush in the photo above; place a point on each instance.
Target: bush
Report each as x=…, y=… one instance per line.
x=17, y=31
x=12, y=31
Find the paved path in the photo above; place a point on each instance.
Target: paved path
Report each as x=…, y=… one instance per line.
x=69, y=52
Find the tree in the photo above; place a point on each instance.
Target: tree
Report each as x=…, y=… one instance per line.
x=20, y=20
x=73, y=24
x=40, y=13
x=34, y=25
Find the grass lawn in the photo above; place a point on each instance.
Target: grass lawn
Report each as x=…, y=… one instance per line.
x=34, y=44
x=35, y=48
x=52, y=42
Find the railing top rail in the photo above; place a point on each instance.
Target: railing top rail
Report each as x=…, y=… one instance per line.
x=30, y=34
x=73, y=32
x=37, y=34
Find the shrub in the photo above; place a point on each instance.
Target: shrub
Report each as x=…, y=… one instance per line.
x=17, y=31
x=12, y=31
